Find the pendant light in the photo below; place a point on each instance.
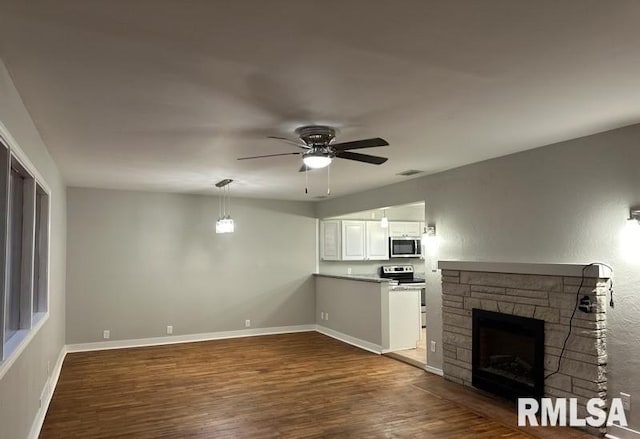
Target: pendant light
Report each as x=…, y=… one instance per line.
x=225, y=223
x=384, y=221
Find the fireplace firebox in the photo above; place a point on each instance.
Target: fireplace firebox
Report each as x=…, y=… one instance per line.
x=507, y=354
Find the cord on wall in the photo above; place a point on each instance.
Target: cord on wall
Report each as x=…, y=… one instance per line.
x=575, y=308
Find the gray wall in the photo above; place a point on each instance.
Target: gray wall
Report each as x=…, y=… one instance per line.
x=20, y=388
x=140, y=261
x=355, y=308
x=563, y=203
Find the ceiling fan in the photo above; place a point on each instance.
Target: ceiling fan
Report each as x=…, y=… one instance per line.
x=318, y=151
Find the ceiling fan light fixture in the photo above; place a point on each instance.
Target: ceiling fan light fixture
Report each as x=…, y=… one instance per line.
x=316, y=161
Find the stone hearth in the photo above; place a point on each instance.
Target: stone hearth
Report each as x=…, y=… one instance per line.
x=541, y=291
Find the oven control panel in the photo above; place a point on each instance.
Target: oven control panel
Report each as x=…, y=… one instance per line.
x=391, y=269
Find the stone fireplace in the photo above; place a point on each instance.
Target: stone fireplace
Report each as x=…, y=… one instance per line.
x=544, y=293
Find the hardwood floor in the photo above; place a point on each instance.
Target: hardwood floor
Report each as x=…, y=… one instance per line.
x=303, y=385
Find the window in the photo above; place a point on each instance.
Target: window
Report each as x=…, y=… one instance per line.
x=41, y=249
x=24, y=251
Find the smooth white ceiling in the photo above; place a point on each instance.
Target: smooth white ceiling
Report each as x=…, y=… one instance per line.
x=165, y=95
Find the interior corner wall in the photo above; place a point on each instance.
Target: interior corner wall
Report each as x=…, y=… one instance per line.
x=140, y=261
x=563, y=203
x=23, y=383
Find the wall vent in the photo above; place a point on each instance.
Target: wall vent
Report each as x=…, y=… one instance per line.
x=409, y=172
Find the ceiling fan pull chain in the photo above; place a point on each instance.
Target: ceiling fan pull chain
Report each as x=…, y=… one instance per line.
x=306, y=181
x=329, y=180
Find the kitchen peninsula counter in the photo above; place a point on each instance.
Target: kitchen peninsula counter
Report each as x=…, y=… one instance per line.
x=357, y=277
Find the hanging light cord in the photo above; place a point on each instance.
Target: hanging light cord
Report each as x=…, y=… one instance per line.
x=575, y=308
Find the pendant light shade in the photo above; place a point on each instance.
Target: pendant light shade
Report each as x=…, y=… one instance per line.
x=225, y=223
x=384, y=221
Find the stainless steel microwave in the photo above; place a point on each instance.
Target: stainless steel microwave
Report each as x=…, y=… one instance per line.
x=404, y=247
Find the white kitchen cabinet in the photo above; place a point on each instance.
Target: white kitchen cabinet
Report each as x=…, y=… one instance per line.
x=330, y=242
x=377, y=244
x=353, y=240
x=398, y=229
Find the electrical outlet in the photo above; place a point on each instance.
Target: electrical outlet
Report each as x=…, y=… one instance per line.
x=322, y=316
x=433, y=346
x=169, y=329
x=106, y=334
x=326, y=316
x=247, y=323
x=349, y=270
x=626, y=400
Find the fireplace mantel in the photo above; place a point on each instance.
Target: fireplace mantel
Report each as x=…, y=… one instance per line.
x=573, y=270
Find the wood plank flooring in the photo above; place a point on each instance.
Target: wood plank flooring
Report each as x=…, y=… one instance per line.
x=303, y=385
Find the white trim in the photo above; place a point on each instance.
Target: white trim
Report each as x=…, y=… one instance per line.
x=189, y=338
x=14, y=354
x=317, y=245
x=47, y=393
x=621, y=432
x=574, y=270
x=15, y=149
x=434, y=370
x=357, y=342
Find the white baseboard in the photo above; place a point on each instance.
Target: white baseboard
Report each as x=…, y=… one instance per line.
x=47, y=394
x=616, y=432
x=189, y=338
x=434, y=370
x=357, y=342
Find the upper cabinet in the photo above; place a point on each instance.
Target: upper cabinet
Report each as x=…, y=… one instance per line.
x=398, y=229
x=330, y=242
x=377, y=247
x=353, y=241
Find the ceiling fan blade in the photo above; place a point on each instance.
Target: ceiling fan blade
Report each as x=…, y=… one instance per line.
x=293, y=142
x=268, y=155
x=358, y=144
x=366, y=158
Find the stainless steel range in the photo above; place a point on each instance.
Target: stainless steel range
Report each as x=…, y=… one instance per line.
x=404, y=278
x=404, y=274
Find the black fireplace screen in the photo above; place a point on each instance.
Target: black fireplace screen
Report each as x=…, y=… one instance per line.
x=508, y=354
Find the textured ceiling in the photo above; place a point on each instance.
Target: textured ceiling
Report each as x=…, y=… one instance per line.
x=165, y=95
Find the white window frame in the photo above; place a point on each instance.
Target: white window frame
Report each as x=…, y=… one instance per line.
x=12, y=349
